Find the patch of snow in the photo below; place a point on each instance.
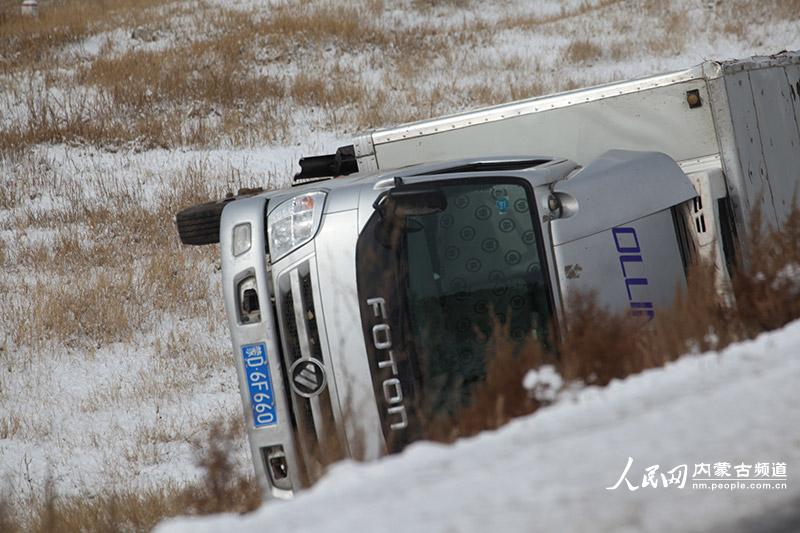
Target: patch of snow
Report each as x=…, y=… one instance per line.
x=551, y=471
x=543, y=383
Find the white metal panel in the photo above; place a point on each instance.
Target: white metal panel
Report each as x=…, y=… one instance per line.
x=781, y=59
x=335, y=250
x=793, y=77
x=647, y=283
x=754, y=186
x=657, y=119
x=637, y=184
x=780, y=138
x=534, y=105
x=728, y=159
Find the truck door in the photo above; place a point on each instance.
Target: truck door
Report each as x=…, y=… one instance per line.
x=614, y=232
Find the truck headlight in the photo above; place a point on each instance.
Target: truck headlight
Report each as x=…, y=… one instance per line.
x=294, y=222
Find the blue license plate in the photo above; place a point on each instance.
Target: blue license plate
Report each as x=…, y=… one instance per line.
x=259, y=382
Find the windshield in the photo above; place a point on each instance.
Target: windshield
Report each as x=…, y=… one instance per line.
x=447, y=279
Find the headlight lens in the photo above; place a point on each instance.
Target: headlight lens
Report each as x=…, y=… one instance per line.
x=294, y=222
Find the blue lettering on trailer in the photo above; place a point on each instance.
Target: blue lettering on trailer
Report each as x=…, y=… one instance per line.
x=259, y=382
x=627, y=243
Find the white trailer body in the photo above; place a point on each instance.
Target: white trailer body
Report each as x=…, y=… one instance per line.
x=744, y=121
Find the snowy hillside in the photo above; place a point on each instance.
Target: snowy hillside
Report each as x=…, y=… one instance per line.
x=114, y=353
x=549, y=471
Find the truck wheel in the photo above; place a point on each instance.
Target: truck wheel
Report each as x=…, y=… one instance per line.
x=199, y=224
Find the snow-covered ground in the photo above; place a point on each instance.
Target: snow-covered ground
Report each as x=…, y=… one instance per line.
x=95, y=410
x=551, y=471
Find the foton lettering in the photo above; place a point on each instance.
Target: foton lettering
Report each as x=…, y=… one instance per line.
x=392, y=387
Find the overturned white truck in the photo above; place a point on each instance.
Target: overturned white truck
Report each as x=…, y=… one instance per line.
x=355, y=301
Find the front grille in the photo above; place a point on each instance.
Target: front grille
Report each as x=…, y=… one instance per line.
x=292, y=340
x=311, y=317
x=317, y=437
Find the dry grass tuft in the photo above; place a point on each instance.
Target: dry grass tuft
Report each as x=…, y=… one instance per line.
x=582, y=51
x=584, y=8
x=501, y=397
x=222, y=489
x=767, y=287
x=598, y=346
x=699, y=320
x=331, y=89
x=114, y=267
x=322, y=22
x=26, y=40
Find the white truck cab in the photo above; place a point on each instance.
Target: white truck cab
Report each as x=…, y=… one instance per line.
x=356, y=304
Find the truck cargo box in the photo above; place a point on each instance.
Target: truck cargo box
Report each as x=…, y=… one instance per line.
x=741, y=115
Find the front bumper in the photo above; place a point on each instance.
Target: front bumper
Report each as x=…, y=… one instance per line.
x=290, y=451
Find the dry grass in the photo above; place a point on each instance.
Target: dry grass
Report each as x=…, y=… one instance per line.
x=101, y=264
x=766, y=288
x=229, y=83
x=225, y=83
x=222, y=488
x=501, y=397
x=116, y=269
x=26, y=40
x=598, y=346
x=191, y=92
x=314, y=23
x=732, y=18
x=582, y=51
x=585, y=8
x=330, y=89
x=237, y=76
